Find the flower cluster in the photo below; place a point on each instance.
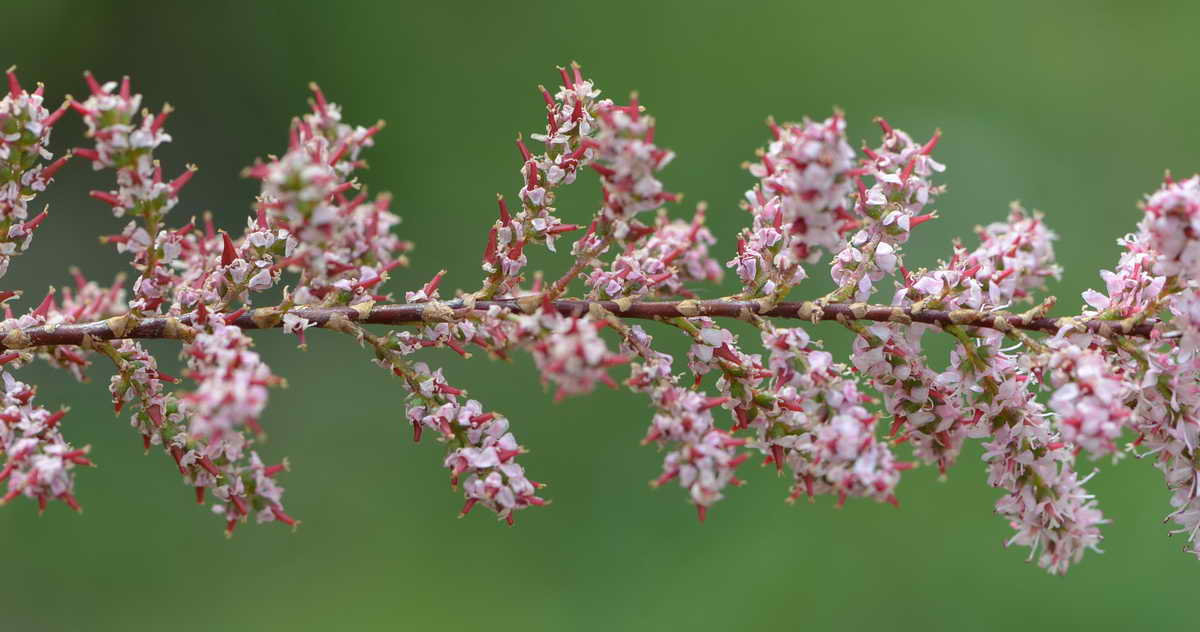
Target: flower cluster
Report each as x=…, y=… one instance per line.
x=127, y=145
x=823, y=431
x=627, y=159
x=808, y=167
x=483, y=452
x=1045, y=502
x=1172, y=228
x=205, y=431
x=342, y=247
x=659, y=264
x=570, y=352
x=25, y=126
x=929, y=413
x=1118, y=377
x=889, y=209
x=700, y=455
x=39, y=464
x=1089, y=398
x=766, y=262
x=571, y=126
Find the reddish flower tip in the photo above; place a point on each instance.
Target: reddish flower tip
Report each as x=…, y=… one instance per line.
x=884, y=125
x=69, y=499
x=104, y=196
x=44, y=308
x=279, y=514
x=93, y=85
x=183, y=179
x=229, y=253
x=14, y=86
x=525, y=155
x=928, y=148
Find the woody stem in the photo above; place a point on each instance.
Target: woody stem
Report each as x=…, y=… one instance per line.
x=339, y=317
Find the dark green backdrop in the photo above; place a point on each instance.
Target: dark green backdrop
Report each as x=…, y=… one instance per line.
x=1073, y=108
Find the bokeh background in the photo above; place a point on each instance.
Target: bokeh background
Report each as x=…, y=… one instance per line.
x=1073, y=108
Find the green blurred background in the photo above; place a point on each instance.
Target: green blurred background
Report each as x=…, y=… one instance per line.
x=1073, y=108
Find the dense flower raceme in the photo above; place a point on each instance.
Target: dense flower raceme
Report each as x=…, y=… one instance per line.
x=701, y=456
x=332, y=234
x=39, y=462
x=888, y=210
x=317, y=251
x=1013, y=259
x=661, y=262
x=25, y=126
x=799, y=205
x=824, y=432
x=571, y=127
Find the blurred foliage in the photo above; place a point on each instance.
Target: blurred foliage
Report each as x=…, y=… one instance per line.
x=1073, y=108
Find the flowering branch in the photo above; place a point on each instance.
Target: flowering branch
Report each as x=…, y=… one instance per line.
x=1036, y=390
x=404, y=314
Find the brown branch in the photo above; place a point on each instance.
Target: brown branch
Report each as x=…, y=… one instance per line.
x=339, y=317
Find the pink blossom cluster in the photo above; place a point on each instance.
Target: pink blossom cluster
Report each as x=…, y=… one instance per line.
x=1045, y=502
x=210, y=441
x=766, y=260
x=39, y=462
x=627, y=160
x=127, y=145
x=1151, y=386
x=925, y=411
x=822, y=430
x=660, y=263
x=317, y=252
x=808, y=167
x=888, y=210
x=25, y=126
x=701, y=456
x=312, y=223
x=570, y=352
x=1172, y=227
x=482, y=453
x=1089, y=398
x=1013, y=259
x=799, y=206
x=571, y=126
